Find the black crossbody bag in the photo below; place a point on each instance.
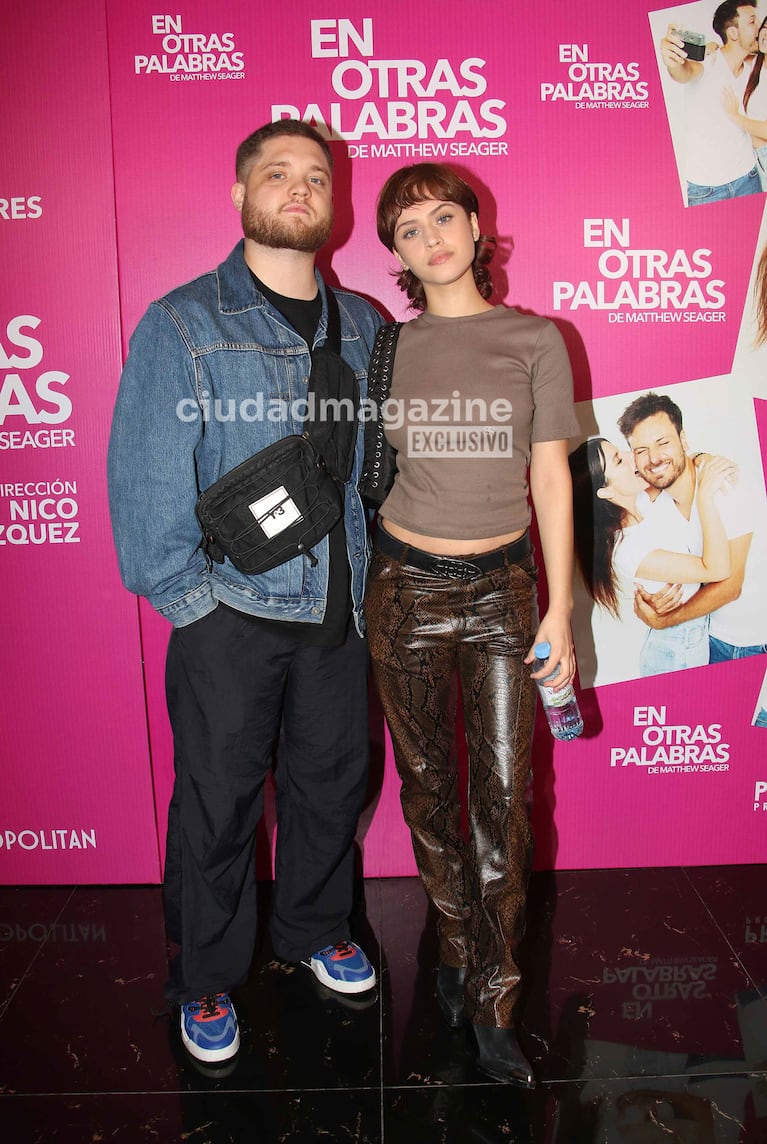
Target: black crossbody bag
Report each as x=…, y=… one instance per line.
x=284, y=499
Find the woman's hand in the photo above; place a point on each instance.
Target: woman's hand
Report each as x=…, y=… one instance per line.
x=715, y=474
x=555, y=630
x=652, y=607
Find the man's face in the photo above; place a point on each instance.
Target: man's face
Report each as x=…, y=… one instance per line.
x=747, y=29
x=287, y=198
x=659, y=451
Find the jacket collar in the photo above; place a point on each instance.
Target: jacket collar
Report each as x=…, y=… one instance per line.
x=237, y=291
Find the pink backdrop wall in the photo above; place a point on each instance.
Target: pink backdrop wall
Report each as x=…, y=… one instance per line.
x=115, y=188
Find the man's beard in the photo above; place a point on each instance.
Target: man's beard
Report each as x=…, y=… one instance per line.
x=664, y=480
x=280, y=234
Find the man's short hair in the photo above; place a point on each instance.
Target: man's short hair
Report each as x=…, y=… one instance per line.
x=248, y=151
x=727, y=14
x=647, y=406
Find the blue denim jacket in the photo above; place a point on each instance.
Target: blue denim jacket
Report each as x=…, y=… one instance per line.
x=188, y=411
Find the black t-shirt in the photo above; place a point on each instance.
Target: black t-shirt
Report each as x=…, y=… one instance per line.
x=304, y=317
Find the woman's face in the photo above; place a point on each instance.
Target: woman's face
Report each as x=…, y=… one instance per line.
x=621, y=477
x=435, y=240
x=761, y=39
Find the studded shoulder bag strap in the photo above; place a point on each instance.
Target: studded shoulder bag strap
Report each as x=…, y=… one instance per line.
x=380, y=465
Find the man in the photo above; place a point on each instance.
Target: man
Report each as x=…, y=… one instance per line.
x=719, y=157
x=652, y=425
x=251, y=658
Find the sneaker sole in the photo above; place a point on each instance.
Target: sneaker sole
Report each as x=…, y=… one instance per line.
x=213, y=1070
x=322, y=975
x=352, y=1002
x=210, y=1055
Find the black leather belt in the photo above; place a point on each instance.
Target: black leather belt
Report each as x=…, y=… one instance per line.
x=453, y=567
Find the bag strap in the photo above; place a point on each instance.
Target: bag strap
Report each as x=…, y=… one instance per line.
x=333, y=340
x=379, y=465
x=381, y=368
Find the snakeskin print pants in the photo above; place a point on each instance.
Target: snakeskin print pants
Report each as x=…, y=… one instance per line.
x=428, y=633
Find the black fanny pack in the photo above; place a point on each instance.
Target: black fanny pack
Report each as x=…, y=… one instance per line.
x=272, y=507
x=284, y=499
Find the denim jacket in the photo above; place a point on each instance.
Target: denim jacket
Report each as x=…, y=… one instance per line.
x=214, y=374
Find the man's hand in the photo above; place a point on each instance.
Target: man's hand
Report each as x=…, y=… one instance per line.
x=672, y=48
x=654, y=608
x=672, y=51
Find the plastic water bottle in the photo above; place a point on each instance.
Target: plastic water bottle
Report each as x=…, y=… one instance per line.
x=561, y=707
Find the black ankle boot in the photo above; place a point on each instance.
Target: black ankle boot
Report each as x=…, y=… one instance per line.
x=450, y=994
x=501, y=1057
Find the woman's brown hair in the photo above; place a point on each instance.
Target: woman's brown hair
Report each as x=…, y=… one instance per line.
x=756, y=71
x=598, y=523
x=411, y=185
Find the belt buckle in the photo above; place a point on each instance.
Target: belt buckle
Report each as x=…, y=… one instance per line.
x=457, y=569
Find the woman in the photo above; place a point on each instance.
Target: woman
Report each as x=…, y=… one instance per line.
x=452, y=593
x=754, y=119
x=623, y=537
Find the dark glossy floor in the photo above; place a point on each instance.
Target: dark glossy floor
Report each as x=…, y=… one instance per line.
x=645, y=1016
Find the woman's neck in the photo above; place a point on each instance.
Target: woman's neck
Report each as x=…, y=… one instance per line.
x=630, y=514
x=456, y=300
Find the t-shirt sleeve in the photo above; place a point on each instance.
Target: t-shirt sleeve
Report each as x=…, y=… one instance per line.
x=553, y=409
x=736, y=508
x=634, y=544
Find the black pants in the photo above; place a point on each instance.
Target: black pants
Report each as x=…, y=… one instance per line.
x=232, y=687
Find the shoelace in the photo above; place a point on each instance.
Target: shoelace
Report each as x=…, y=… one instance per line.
x=209, y=1006
x=343, y=949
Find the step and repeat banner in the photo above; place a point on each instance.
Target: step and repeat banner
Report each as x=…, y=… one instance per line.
x=614, y=190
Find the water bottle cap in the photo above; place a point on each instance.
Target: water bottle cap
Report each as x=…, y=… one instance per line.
x=542, y=650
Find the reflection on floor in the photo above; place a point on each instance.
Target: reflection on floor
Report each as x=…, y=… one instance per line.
x=645, y=1015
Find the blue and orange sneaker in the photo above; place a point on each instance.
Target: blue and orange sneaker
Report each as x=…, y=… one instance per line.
x=342, y=967
x=209, y=1028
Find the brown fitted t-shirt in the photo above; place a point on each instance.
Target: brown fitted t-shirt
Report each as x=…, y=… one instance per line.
x=469, y=397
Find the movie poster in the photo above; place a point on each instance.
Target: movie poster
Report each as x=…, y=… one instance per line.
x=639, y=235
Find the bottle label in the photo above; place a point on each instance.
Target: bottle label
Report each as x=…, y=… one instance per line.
x=558, y=698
